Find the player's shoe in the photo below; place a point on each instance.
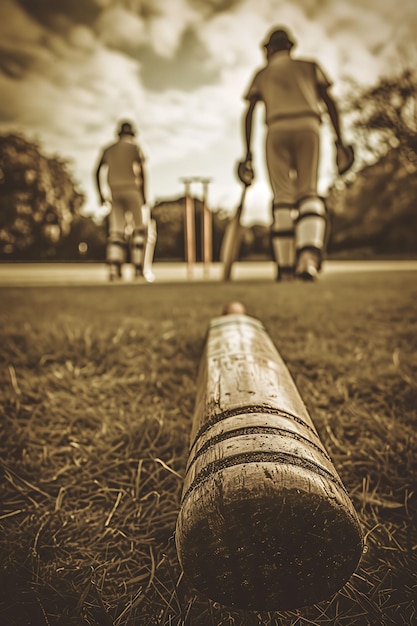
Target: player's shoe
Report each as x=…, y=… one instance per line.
x=308, y=266
x=115, y=272
x=285, y=275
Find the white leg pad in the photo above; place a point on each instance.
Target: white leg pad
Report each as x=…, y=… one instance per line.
x=137, y=250
x=282, y=234
x=310, y=228
x=116, y=249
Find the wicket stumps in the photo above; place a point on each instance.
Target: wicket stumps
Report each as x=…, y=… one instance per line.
x=189, y=226
x=265, y=522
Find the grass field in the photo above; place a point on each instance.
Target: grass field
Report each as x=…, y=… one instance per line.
x=97, y=393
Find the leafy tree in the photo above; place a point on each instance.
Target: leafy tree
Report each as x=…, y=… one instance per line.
x=38, y=200
x=375, y=213
x=86, y=241
x=373, y=210
x=384, y=117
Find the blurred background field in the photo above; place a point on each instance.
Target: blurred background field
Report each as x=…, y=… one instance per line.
x=97, y=393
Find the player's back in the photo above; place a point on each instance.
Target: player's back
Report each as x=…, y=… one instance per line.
x=121, y=158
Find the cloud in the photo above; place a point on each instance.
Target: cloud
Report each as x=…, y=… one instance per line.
x=188, y=69
x=14, y=22
x=49, y=13
x=120, y=29
x=167, y=28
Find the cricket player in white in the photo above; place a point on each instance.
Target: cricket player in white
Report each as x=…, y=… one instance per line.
x=124, y=161
x=293, y=92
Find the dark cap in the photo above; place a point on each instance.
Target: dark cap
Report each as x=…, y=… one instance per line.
x=279, y=37
x=126, y=128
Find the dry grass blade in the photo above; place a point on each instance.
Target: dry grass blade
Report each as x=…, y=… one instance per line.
x=169, y=469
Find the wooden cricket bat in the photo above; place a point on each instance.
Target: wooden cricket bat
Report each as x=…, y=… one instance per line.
x=265, y=523
x=232, y=239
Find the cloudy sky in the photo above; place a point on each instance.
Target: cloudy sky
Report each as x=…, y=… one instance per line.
x=71, y=69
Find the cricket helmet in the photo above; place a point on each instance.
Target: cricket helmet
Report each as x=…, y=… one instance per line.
x=279, y=37
x=126, y=128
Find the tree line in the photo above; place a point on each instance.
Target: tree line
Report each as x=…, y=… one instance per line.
x=372, y=211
